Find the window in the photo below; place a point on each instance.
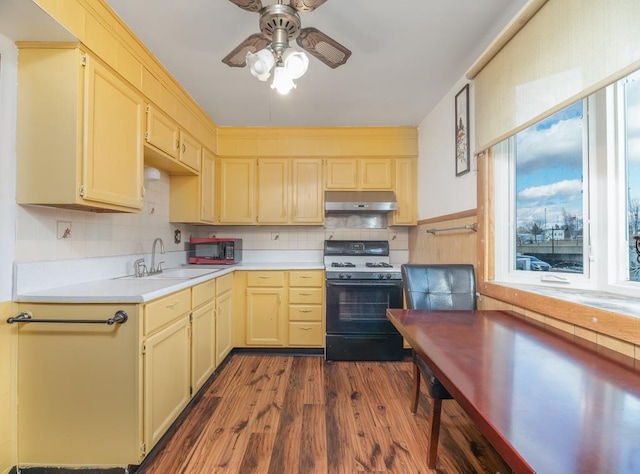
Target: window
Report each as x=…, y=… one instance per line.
x=567, y=196
x=631, y=143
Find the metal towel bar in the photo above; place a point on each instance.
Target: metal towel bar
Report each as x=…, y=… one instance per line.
x=119, y=317
x=473, y=227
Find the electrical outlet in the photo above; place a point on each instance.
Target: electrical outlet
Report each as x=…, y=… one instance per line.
x=63, y=230
x=275, y=235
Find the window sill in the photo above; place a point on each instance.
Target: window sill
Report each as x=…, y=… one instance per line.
x=614, y=303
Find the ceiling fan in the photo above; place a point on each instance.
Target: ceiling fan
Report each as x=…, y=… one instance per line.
x=279, y=24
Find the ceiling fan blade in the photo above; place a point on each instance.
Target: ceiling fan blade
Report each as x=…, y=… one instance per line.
x=327, y=50
x=305, y=6
x=237, y=57
x=249, y=5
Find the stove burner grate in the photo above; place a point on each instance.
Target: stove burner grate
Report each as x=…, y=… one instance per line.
x=379, y=265
x=343, y=264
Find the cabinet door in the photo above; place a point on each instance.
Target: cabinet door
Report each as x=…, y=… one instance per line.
x=162, y=132
x=207, y=180
x=273, y=191
x=167, y=356
x=405, y=188
x=307, y=204
x=342, y=173
x=113, y=130
x=203, y=345
x=375, y=173
x=224, y=328
x=190, y=151
x=265, y=317
x=235, y=188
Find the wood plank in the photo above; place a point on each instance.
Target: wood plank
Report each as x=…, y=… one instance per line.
x=280, y=414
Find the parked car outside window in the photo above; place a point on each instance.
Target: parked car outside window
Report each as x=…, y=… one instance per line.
x=529, y=262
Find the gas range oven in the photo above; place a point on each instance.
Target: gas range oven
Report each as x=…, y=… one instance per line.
x=361, y=284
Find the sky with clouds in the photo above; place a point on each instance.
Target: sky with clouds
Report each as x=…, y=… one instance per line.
x=549, y=162
x=549, y=169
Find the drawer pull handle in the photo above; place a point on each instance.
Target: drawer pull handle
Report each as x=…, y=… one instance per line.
x=171, y=305
x=305, y=329
x=305, y=276
x=264, y=277
x=305, y=310
x=305, y=294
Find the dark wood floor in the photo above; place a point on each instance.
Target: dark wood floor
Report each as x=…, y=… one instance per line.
x=280, y=414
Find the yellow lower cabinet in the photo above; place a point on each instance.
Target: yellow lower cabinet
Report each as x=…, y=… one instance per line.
x=224, y=315
x=79, y=387
x=309, y=333
x=306, y=308
x=265, y=317
x=203, y=344
x=167, y=360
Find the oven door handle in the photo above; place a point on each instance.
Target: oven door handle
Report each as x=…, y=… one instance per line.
x=377, y=283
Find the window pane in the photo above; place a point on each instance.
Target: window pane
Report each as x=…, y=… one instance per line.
x=549, y=193
x=632, y=146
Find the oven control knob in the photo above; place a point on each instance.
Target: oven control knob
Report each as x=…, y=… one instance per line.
x=381, y=276
x=349, y=275
x=388, y=276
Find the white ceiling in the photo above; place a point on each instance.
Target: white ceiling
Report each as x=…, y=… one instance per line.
x=406, y=55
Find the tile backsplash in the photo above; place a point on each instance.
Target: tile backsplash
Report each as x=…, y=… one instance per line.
x=44, y=233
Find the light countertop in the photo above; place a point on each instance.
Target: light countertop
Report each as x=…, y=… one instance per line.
x=141, y=290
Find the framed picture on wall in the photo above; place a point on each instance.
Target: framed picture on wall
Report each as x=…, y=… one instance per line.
x=462, y=131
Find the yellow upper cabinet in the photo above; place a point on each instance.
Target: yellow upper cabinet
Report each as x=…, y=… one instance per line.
x=375, y=173
x=169, y=147
x=162, y=132
x=80, y=129
x=235, y=188
x=273, y=190
x=342, y=173
x=192, y=197
x=190, y=151
x=406, y=192
x=307, y=200
x=359, y=173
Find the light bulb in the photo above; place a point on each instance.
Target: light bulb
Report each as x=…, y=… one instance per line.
x=260, y=63
x=296, y=63
x=282, y=81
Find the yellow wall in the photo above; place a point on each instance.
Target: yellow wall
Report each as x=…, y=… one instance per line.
x=8, y=341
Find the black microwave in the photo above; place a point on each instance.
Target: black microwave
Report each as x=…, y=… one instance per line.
x=215, y=251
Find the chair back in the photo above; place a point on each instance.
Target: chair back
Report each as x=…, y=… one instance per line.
x=439, y=286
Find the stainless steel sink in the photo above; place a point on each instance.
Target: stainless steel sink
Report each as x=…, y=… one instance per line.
x=176, y=274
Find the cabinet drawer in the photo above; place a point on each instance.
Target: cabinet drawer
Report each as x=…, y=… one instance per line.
x=306, y=334
x=305, y=295
x=161, y=311
x=224, y=284
x=265, y=279
x=306, y=278
x=202, y=293
x=305, y=313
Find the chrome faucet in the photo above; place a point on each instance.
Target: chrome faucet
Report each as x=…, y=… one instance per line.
x=153, y=268
x=140, y=268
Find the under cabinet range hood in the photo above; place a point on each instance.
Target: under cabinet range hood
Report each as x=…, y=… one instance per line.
x=357, y=202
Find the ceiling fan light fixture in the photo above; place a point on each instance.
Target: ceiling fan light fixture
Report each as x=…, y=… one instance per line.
x=261, y=63
x=295, y=62
x=282, y=80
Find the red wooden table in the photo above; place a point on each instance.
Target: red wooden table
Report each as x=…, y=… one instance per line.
x=548, y=403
